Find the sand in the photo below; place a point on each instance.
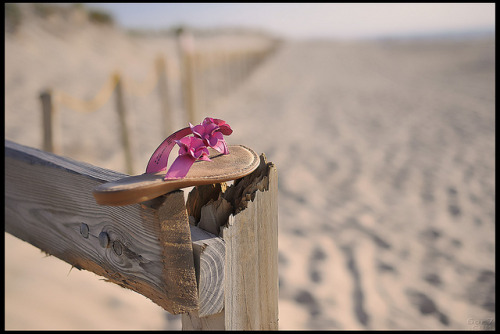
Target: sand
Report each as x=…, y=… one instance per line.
x=385, y=155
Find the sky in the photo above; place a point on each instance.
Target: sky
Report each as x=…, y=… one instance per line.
x=312, y=20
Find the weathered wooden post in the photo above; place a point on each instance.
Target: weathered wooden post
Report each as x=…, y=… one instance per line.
x=245, y=216
x=199, y=82
x=161, y=69
x=122, y=118
x=219, y=74
x=48, y=114
x=185, y=45
x=189, y=89
x=228, y=71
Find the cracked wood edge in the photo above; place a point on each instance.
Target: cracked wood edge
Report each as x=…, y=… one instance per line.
x=251, y=284
x=246, y=215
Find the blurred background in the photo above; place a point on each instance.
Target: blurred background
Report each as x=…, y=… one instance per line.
x=379, y=117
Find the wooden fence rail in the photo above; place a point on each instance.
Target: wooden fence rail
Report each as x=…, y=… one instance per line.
x=223, y=279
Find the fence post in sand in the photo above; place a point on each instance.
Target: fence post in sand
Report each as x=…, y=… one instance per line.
x=226, y=69
x=48, y=121
x=189, y=91
x=161, y=68
x=185, y=46
x=120, y=109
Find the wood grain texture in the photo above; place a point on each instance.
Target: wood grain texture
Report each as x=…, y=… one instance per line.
x=193, y=321
x=209, y=254
x=124, y=128
x=251, y=271
x=147, y=246
x=250, y=268
x=200, y=196
x=175, y=239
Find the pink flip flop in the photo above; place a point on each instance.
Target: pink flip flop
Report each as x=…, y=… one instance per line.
x=203, y=158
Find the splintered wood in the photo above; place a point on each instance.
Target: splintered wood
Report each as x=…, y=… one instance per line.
x=211, y=205
x=245, y=216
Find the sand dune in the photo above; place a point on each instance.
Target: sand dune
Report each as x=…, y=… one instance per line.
x=385, y=155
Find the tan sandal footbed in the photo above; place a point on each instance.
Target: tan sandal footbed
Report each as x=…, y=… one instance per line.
x=240, y=162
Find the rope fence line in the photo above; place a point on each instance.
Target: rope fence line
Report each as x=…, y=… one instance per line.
x=132, y=87
x=116, y=84
x=62, y=98
x=198, y=72
x=144, y=87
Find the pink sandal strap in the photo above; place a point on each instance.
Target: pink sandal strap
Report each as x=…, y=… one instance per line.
x=159, y=160
x=208, y=134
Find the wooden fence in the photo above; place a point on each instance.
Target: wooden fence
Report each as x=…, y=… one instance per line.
x=204, y=78
x=50, y=99
x=213, y=258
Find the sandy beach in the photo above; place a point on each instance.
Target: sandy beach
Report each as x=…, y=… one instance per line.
x=385, y=155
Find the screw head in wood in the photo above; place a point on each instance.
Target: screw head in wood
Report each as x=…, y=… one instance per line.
x=103, y=239
x=84, y=230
